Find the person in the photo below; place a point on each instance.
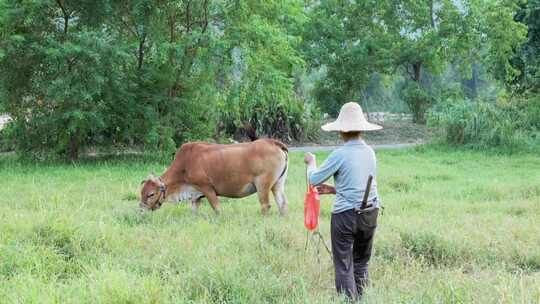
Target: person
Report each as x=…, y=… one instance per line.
x=352, y=228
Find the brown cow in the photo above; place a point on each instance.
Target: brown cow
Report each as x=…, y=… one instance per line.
x=211, y=170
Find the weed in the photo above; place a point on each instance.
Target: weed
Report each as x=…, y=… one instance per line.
x=529, y=262
x=131, y=196
x=431, y=248
x=401, y=184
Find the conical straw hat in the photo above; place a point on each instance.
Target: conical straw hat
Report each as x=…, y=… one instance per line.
x=351, y=118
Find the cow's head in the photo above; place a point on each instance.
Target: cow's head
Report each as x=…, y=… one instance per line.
x=152, y=193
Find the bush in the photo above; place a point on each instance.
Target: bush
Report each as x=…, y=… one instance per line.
x=5, y=142
x=75, y=84
x=418, y=100
x=532, y=107
x=483, y=124
x=288, y=121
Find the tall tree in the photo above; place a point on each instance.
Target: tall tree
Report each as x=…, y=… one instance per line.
x=502, y=36
x=260, y=41
x=353, y=39
x=152, y=73
x=349, y=40
x=527, y=61
x=57, y=62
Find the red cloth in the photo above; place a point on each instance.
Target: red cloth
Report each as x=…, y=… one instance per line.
x=312, y=207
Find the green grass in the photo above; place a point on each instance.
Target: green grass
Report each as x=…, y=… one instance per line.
x=458, y=227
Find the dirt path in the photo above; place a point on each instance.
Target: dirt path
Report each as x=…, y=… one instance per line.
x=330, y=148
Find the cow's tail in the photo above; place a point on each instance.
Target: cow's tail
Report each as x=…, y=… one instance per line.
x=285, y=150
x=281, y=145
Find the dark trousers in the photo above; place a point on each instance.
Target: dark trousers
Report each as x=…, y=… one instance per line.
x=352, y=240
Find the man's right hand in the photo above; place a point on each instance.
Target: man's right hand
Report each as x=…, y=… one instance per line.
x=326, y=189
x=309, y=158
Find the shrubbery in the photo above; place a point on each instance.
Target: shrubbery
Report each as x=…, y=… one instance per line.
x=151, y=74
x=483, y=124
x=418, y=99
x=289, y=120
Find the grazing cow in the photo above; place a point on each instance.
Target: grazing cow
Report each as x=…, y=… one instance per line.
x=211, y=170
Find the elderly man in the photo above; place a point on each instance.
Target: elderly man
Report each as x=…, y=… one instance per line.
x=352, y=228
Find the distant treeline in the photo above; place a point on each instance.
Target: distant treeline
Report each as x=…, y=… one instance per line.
x=154, y=74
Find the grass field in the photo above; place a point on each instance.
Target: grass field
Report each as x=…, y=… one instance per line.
x=458, y=227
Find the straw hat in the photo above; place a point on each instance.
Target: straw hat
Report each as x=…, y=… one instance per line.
x=351, y=118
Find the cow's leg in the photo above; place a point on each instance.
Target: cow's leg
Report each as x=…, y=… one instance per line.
x=279, y=195
x=263, y=191
x=264, y=199
x=212, y=199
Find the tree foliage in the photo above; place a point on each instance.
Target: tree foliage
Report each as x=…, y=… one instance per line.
x=348, y=41
x=527, y=61
x=154, y=74
x=151, y=73
x=353, y=39
x=262, y=38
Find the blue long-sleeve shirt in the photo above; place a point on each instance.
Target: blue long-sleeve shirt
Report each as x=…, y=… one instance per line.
x=350, y=165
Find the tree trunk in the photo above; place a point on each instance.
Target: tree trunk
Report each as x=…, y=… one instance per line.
x=432, y=18
x=417, y=66
x=140, y=57
x=419, y=105
x=73, y=149
x=474, y=81
x=65, y=15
